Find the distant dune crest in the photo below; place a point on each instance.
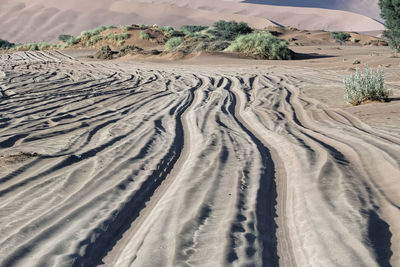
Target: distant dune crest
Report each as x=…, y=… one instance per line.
x=367, y=8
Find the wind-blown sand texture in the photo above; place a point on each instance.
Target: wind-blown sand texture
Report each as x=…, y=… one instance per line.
x=44, y=20
x=132, y=164
x=367, y=8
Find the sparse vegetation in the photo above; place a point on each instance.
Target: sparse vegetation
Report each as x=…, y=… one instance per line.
x=365, y=85
x=340, y=37
x=229, y=30
x=34, y=46
x=172, y=43
x=144, y=35
x=190, y=39
x=261, y=45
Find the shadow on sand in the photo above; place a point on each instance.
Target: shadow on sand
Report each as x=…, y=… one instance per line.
x=393, y=99
x=301, y=56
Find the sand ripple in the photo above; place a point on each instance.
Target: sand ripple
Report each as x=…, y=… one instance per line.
x=115, y=164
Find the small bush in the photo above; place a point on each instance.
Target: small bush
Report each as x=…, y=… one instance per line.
x=117, y=37
x=261, y=45
x=125, y=28
x=340, y=37
x=144, y=35
x=5, y=44
x=64, y=37
x=144, y=26
x=96, y=31
x=104, y=53
x=365, y=85
x=169, y=31
x=187, y=29
x=229, y=30
x=130, y=49
x=73, y=41
x=94, y=39
x=172, y=43
x=201, y=43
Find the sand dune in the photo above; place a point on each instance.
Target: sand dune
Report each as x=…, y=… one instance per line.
x=44, y=20
x=164, y=165
x=367, y=8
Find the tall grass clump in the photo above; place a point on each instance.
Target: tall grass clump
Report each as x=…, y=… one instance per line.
x=340, y=37
x=117, y=36
x=94, y=39
x=229, y=30
x=144, y=35
x=73, y=41
x=125, y=28
x=144, y=26
x=261, y=45
x=201, y=43
x=168, y=31
x=172, y=43
x=364, y=85
x=96, y=31
x=193, y=30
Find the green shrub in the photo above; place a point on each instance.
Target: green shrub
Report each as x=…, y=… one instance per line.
x=73, y=41
x=172, y=43
x=96, y=31
x=144, y=35
x=64, y=37
x=229, y=30
x=261, y=45
x=117, y=37
x=130, y=49
x=365, y=85
x=5, y=44
x=201, y=43
x=105, y=53
x=94, y=39
x=125, y=28
x=144, y=26
x=168, y=31
x=340, y=37
x=187, y=29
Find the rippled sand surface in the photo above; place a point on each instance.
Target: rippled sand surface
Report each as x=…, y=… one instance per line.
x=159, y=165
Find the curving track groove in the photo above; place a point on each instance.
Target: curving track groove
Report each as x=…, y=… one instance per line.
x=115, y=164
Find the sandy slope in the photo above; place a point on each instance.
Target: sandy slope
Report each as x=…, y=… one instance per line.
x=168, y=165
x=367, y=8
x=44, y=20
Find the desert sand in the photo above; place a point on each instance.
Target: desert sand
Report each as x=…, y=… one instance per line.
x=209, y=161
x=44, y=20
